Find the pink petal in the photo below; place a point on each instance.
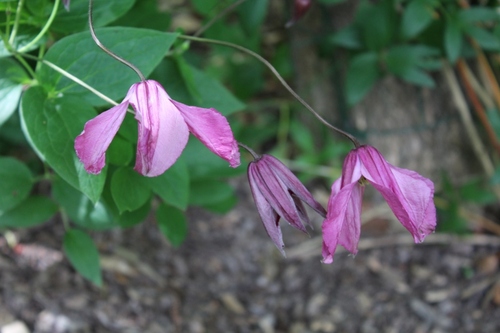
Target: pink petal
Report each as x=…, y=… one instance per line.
x=163, y=133
x=267, y=214
x=343, y=221
x=293, y=183
x=213, y=130
x=276, y=194
x=409, y=195
x=92, y=143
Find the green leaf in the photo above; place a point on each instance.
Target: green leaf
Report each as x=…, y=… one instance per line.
x=405, y=61
x=51, y=126
x=478, y=14
x=11, y=76
x=145, y=14
x=15, y=183
x=362, y=73
x=252, y=14
x=120, y=152
x=348, y=38
x=173, y=185
x=33, y=211
x=78, y=55
x=129, y=189
x=202, y=163
x=204, y=7
x=485, y=39
x=416, y=17
x=103, y=12
x=377, y=24
x=452, y=39
x=208, y=192
x=82, y=253
x=172, y=224
x=130, y=219
x=211, y=93
x=80, y=209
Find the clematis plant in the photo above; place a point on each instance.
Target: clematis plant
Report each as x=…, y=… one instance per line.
x=279, y=194
x=409, y=195
x=164, y=126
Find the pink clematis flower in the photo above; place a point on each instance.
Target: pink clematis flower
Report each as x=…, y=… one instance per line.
x=277, y=194
x=164, y=126
x=409, y=195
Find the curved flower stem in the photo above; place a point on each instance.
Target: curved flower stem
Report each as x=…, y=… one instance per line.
x=72, y=78
x=44, y=29
x=279, y=77
x=26, y=66
x=250, y=150
x=16, y=22
x=226, y=10
x=105, y=49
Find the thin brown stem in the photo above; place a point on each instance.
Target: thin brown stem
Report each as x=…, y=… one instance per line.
x=105, y=49
x=279, y=77
x=250, y=150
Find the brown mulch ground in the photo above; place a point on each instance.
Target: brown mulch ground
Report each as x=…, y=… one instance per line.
x=228, y=277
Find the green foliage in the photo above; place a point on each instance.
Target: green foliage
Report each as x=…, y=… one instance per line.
x=172, y=223
x=82, y=253
x=15, y=183
x=32, y=211
x=11, y=78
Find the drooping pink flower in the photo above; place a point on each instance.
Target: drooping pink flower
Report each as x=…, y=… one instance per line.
x=408, y=194
x=279, y=194
x=164, y=126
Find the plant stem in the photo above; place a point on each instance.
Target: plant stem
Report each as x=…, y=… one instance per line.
x=102, y=47
x=250, y=150
x=44, y=29
x=16, y=22
x=279, y=77
x=72, y=78
x=25, y=65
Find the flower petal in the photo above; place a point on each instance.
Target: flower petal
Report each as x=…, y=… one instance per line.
x=92, y=143
x=163, y=133
x=267, y=214
x=213, y=130
x=293, y=183
x=343, y=221
x=276, y=193
x=409, y=195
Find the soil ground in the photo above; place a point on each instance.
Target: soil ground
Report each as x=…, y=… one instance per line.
x=229, y=277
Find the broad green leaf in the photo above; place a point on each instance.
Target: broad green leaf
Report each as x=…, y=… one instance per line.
x=348, y=38
x=207, y=192
x=484, y=38
x=130, y=219
x=205, y=7
x=377, y=23
x=15, y=183
x=76, y=19
x=202, y=163
x=51, y=126
x=476, y=191
x=33, y=211
x=120, y=152
x=11, y=76
x=223, y=206
x=78, y=55
x=82, y=253
x=416, y=17
x=80, y=209
x=478, y=14
x=405, y=61
x=172, y=224
x=252, y=14
x=362, y=73
x=187, y=74
x=145, y=14
x=212, y=94
x=452, y=39
x=173, y=185
x=129, y=189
